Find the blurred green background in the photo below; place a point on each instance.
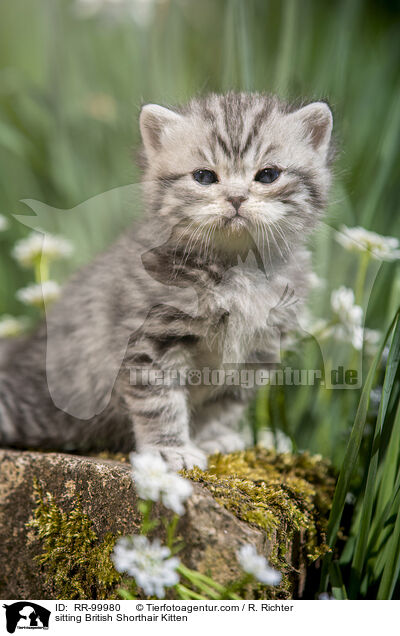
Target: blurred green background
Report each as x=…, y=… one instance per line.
x=74, y=74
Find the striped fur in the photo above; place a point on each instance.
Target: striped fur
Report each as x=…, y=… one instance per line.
x=209, y=280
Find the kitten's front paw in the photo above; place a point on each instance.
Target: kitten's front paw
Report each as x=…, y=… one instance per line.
x=178, y=457
x=227, y=443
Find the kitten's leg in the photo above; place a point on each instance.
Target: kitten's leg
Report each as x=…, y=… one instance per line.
x=160, y=412
x=215, y=426
x=160, y=418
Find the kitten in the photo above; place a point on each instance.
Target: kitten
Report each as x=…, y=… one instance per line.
x=233, y=186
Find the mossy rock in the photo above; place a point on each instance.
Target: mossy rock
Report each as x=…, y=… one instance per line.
x=61, y=514
x=76, y=564
x=96, y=496
x=287, y=496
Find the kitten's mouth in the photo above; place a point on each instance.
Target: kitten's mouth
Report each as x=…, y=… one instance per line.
x=236, y=222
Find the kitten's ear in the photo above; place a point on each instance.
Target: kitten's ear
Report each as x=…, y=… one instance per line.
x=154, y=121
x=316, y=124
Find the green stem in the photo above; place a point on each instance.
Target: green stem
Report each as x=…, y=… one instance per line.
x=205, y=584
x=195, y=579
x=240, y=583
x=145, y=507
x=359, y=295
x=186, y=594
x=323, y=332
x=171, y=529
x=361, y=275
x=41, y=268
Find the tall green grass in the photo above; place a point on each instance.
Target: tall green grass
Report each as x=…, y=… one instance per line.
x=369, y=564
x=70, y=93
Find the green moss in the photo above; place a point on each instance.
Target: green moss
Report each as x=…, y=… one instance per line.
x=75, y=563
x=288, y=496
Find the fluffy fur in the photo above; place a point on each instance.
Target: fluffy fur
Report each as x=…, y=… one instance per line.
x=235, y=246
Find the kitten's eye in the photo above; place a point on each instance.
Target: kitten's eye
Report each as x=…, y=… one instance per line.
x=205, y=177
x=267, y=175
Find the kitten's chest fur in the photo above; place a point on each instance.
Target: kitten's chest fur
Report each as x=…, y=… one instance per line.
x=243, y=324
x=245, y=318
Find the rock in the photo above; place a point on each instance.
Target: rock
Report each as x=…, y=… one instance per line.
x=211, y=533
x=60, y=515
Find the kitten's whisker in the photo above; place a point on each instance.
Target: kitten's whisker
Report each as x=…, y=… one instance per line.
x=193, y=240
x=213, y=231
x=193, y=237
x=180, y=264
x=262, y=232
x=276, y=242
x=259, y=236
x=282, y=236
x=209, y=239
x=276, y=225
x=205, y=242
x=265, y=234
x=294, y=226
x=186, y=253
x=185, y=229
x=281, y=232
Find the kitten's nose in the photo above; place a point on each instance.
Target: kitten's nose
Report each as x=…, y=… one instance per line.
x=237, y=202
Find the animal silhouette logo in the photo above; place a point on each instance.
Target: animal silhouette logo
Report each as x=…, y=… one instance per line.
x=26, y=615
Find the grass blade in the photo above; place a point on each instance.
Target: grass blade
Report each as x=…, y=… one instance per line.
x=370, y=488
x=350, y=458
x=338, y=587
x=391, y=570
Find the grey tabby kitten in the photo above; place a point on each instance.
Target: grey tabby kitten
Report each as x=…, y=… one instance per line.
x=233, y=186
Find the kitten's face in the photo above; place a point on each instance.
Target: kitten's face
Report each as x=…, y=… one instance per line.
x=227, y=167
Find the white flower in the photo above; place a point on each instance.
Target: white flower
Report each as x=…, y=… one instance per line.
x=27, y=251
x=257, y=565
x=348, y=316
x=154, y=481
x=350, y=498
x=3, y=223
x=11, y=326
x=326, y=597
x=87, y=8
x=375, y=397
x=371, y=340
x=267, y=438
x=343, y=304
x=148, y=562
x=349, y=333
x=36, y=295
x=316, y=282
x=317, y=327
x=175, y=491
x=149, y=472
x=141, y=11
x=358, y=239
